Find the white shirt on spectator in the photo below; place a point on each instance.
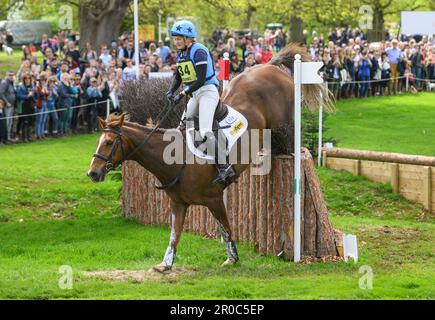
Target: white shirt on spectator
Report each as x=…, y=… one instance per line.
x=129, y=73
x=106, y=58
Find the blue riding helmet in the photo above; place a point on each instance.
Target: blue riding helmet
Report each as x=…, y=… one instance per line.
x=183, y=28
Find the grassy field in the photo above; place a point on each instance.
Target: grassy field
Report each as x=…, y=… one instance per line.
x=404, y=124
x=13, y=63
x=52, y=215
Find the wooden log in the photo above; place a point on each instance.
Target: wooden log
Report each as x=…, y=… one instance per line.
x=252, y=216
x=245, y=206
x=262, y=216
x=240, y=190
x=380, y=156
x=270, y=215
x=325, y=239
x=310, y=225
x=287, y=206
x=277, y=206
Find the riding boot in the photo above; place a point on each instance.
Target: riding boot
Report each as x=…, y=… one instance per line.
x=226, y=173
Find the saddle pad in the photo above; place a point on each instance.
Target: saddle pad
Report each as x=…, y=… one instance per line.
x=236, y=124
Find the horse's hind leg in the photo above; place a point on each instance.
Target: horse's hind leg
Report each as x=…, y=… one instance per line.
x=178, y=215
x=220, y=213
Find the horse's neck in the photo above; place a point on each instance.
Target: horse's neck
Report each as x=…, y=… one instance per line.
x=149, y=154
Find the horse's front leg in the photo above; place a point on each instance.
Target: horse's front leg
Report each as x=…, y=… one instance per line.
x=220, y=213
x=178, y=215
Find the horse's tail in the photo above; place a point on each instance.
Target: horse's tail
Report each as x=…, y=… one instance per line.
x=311, y=93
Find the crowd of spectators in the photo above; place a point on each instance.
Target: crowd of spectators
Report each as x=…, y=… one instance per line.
x=44, y=94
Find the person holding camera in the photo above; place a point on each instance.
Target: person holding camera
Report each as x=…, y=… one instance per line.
x=27, y=96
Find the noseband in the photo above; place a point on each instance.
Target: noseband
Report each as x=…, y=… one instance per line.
x=116, y=145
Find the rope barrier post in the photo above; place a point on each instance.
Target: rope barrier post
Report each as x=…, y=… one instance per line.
x=407, y=82
x=107, y=108
x=225, y=82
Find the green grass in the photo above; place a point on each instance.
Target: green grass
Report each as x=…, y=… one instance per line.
x=403, y=124
x=395, y=239
x=13, y=63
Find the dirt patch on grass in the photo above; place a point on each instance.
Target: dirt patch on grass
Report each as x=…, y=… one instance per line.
x=140, y=276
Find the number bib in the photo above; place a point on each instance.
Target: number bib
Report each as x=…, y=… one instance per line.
x=187, y=71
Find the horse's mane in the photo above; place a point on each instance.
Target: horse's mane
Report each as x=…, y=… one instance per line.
x=113, y=121
x=311, y=93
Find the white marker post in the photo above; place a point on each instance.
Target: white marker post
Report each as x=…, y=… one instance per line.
x=319, y=151
x=136, y=38
x=225, y=82
x=304, y=73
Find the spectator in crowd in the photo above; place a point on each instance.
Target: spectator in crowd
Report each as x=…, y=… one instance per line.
x=66, y=96
x=129, y=72
x=51, y=107
x=7, y=99
x=41, y=106
x=88, y=53
x=364, y=65
x=94, y=94
x=27, y=96
x=394, y=56
x=163, y=51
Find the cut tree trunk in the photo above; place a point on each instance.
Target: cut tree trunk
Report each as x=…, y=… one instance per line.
x=260, y=209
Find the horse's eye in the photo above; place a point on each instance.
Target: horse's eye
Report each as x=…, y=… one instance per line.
x=109, y=143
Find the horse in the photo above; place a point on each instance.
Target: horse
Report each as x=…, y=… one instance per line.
x=263, y=94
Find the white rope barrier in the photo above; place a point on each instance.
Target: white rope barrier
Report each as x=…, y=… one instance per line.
x=56, y=110
x=366, y=81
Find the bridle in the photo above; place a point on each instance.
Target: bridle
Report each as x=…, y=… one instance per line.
x=118, y=143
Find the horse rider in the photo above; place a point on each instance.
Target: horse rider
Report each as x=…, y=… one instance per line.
x=195, y=69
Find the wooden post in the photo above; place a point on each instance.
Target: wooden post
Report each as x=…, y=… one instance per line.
x=395, y=183
x=324, y=158
x=427, y=188
x=357, y=167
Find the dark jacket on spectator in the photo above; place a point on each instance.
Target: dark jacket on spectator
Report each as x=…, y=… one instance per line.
x=65, y=95
x=7, y=91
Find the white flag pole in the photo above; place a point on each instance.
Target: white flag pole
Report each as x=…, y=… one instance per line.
x=225, y=83
x=136, y=38
x=319, y=151
x=297, y=158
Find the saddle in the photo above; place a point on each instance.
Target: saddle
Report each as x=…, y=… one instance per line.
x=220, y=114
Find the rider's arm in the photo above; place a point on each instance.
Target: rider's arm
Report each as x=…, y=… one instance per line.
x=176, y=82
x=200, y=59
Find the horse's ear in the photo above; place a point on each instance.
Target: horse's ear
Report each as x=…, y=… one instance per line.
x=102, y=123
x=121, y=120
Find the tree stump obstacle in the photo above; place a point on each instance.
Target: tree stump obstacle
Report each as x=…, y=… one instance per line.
x=260, y=209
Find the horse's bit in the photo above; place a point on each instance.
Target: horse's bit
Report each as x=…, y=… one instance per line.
x=117, y=143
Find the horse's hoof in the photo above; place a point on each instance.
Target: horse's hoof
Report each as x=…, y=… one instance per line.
x=161, y=268
x=229, y=262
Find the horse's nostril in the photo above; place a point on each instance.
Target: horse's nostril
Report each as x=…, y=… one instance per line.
x=92, y=174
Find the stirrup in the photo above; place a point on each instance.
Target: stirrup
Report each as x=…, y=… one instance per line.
x=226, y=175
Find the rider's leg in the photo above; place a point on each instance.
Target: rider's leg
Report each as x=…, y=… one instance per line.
x=208, y=97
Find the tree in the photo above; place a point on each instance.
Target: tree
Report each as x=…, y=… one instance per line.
x=7, y=5
x=100, y=20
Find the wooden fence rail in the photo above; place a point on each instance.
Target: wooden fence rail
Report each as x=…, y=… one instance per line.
x=410, y=175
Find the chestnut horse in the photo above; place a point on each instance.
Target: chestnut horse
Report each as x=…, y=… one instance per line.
x=263, y=94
